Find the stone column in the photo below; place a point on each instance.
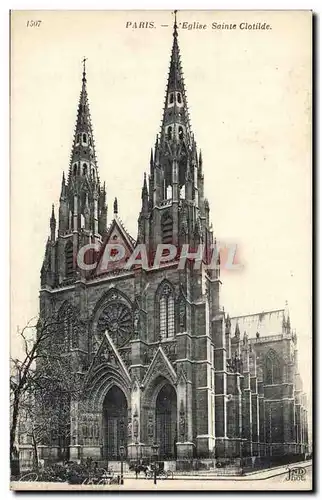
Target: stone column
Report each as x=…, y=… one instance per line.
x=135, y=436
x=74, y=448
x=203, y=377
x=184, y=416
x=246, y=405
x=219, y=363
x=254, y=402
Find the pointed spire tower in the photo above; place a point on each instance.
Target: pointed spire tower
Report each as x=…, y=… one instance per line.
x=82, y=202
x=173, y=199
x=83, y=206
x=83, y=161
x=175, y=123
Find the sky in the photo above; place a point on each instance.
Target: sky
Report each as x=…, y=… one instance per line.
x=249, y=96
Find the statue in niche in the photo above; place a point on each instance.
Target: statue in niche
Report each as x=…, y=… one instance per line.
x=145, y=358
x=150, y=426
x=136, y=322
x=112, y=359
x=182, y=422
x=122, y=430
x=135, y=427
x=129, y=429
x=182, y=425
x=182, y=315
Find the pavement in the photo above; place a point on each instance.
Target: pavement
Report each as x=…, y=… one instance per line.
x=269, y=479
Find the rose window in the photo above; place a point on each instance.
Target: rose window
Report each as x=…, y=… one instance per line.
x=116, y=319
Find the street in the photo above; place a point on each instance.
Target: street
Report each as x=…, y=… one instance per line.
x=256, y=482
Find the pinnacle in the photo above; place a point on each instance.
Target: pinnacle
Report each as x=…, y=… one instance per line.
x=115, y=207
x=83, y=149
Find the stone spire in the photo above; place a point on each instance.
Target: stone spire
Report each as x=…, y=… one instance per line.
x=83, y=207
x=144, y=193
x=176, y=182
x=115, y=207
x=175, y=122
x=52, y=224
x=83, y=158
x=286, y=322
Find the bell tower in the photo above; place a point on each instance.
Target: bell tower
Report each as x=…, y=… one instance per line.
x=174, y=209
x=82, y=215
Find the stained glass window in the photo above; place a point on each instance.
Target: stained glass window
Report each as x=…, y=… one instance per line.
x=273, y=372
x=167, y=312
x=69, y=259
x=163, y=316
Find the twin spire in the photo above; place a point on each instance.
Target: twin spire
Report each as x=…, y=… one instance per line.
x=83, y=178
x=175, y=122
x=83, y=163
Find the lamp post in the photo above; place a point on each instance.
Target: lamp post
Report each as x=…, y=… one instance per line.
x=155, y=449
x=241, y=454
x=122, y=457
x=137, y=451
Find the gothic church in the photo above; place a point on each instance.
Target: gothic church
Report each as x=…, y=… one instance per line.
x=161, y=362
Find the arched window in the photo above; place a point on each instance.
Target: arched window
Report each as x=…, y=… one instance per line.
x=67, y=335
x=171, y=98
x=77, y=139
x=166, y=311
x=75, y=169
x=169, y=133
x=69, y=259
x=272, y=369
x=166, y=226
x=84, y=169
x=179, y=98
x=180, y=133
x=85, y=138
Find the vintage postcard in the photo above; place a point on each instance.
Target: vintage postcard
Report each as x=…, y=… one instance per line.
x=161, y=326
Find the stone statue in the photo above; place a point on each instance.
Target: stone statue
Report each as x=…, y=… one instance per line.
x=182, y=314
x=136, y=321
x=182, y=425
x=135, y=427
x=150, y=427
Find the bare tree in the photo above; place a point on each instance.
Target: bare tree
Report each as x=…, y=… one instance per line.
x=42, y=383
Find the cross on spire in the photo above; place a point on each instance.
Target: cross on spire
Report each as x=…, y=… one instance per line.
x=175, y=115
x=175, y=26
x=84, y=67
x=83, y=157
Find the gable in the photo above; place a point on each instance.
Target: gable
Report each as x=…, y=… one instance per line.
x=108, y=356
x=116, y=237
x=160, y=365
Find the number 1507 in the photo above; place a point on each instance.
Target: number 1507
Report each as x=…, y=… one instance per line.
x=33, y=24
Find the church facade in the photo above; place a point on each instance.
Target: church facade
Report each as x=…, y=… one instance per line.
x=160, y=361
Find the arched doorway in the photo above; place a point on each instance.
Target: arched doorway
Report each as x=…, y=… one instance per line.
x=114, y=423
x=166, y=421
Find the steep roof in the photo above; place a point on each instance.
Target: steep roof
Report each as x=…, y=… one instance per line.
x=265, y=323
